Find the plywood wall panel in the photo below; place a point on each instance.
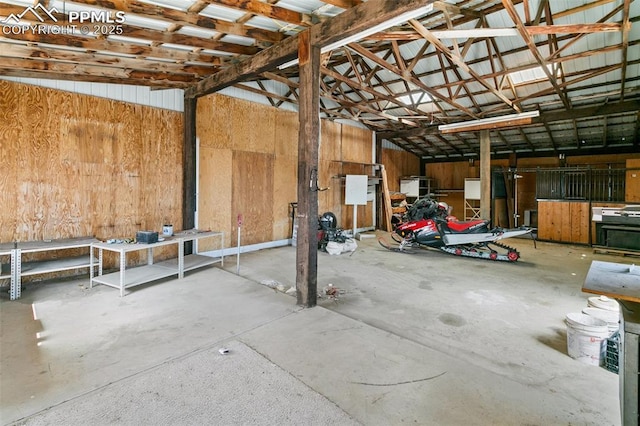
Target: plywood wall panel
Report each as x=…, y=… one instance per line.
x=356, y=144
x=90, y=166
x=330, y=141
x=285, y=178
x=331, y=200
x=11, y=155
x=252, y=195
x=252, y=127
x=214, y=121
x=215, y=193
x=286, y=134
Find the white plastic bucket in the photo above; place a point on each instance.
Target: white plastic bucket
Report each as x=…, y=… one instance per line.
x=586, y=338
x=603, y=302
x=612, y=318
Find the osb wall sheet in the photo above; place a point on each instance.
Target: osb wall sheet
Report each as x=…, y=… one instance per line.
x=75, y=165
x=357, y=145
x=235, y=180
x=214, y=193
x=252, y=195
x=398, y=164
x=330, y=141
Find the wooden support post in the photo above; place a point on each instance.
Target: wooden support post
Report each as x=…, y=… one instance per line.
x=485, y=175
x=388, y=211
x=189, y=168
x=508, y=189
x=308, y=143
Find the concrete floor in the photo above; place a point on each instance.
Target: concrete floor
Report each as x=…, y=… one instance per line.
x=425, y=338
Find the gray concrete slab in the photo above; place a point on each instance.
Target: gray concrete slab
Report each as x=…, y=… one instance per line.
x=426, y=338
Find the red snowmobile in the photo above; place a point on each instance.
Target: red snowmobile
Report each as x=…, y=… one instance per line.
x=428, y=223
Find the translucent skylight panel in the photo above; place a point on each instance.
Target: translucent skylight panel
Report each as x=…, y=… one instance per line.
x=216, y=52
x=223, y=13
x=301, y=6
x=266, y=23
x=125, y=39
x=197, y=32
x=152, y=24
x=529, y=75
x=177, y=46
x=182, y=5
x=244, y=41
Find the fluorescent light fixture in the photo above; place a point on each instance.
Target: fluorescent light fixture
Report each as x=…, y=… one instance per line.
x=369, y=31
x=490, y=123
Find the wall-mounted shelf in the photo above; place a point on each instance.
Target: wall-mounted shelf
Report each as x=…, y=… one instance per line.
x=415, y=187
x=17, y=268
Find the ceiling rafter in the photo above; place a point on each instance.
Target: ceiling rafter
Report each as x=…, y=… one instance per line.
x=397, y=82
x=535, y=52
x=434, y=94
x=626, y=23
x=460, y=62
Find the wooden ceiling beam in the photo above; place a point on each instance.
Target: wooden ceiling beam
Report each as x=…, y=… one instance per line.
x=459, y=62
x=71, y=71
x=66, y=42
x=185, y=40
x=172, y=16
x=58, y=75
x=488, y=32
x=51, y=56
x=433, y=93
x=575, y=38
x=527, y=38
x=551, y=138
x=547, y=117
x=365, y=88
x=625, y=45
x=348, y=23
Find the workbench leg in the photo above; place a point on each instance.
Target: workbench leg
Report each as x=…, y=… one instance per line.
x=123, y=264
x=91, y=271
x=222, y=249
x=16, y=274
x=181, y=259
